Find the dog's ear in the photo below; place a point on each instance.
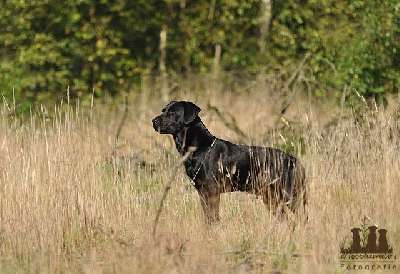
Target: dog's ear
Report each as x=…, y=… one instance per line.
x=190, y=112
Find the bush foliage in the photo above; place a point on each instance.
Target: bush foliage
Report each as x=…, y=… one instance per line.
x=108, y=46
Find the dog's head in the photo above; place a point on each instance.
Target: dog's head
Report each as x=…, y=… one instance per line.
x=175, y=116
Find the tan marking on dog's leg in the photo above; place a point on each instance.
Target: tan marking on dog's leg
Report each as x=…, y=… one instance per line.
x=210, y=204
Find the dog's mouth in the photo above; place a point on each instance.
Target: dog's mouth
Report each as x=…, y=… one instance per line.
x=157, y=125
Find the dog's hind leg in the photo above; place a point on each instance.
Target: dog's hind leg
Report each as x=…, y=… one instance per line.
x=210, y=204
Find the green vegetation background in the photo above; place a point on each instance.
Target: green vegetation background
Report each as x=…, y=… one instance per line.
x=108, y=47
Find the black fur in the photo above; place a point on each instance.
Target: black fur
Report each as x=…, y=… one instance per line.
x=217, y=166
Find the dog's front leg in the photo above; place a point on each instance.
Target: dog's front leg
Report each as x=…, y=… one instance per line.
x=210, y=204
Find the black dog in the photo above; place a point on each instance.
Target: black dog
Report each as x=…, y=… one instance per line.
x=217, y=166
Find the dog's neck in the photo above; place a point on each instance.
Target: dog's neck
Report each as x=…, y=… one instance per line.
x=193, y=135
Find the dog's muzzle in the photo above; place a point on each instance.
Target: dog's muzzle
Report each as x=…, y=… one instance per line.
x=156, y=124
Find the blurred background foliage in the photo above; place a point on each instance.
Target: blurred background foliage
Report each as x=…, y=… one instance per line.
x=109, y=47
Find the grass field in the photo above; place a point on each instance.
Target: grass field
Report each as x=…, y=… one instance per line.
x=72, y=202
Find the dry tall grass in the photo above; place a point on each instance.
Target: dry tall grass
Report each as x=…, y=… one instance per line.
x=67, y=204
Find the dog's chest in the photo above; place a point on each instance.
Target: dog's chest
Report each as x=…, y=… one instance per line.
x=226, y=176
x=192, y=168
x=197, y=170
